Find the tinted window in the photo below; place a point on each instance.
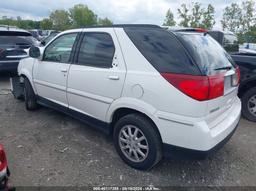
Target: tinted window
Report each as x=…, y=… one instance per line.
x=162, y=49
x=97, y=49
x=17, y=41
x=207, y=52
x=60, y=49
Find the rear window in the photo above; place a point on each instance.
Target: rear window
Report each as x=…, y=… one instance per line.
x=16, y=40
x=162, y=49
x=206, y=52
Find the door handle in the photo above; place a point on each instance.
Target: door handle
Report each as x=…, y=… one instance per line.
x=113, y=77
x=64, y=70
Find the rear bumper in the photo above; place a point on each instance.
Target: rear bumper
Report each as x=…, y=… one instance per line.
x=175, y=152
x=9, y=66
x=196, y=135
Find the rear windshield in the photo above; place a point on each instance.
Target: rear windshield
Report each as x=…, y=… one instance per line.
x=206, y=52
x=162, y=49
x=17, y=41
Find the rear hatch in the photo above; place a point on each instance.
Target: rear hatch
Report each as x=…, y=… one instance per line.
x=215, y=63
x=13, y=45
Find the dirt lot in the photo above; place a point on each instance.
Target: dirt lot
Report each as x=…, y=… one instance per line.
x=47, y=148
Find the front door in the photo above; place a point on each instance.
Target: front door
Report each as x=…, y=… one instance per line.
x=51, y=72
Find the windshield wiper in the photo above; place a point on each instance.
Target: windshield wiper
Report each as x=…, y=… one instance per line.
x=224, y=68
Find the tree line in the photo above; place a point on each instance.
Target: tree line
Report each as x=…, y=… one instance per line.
x=239, y=18
x=78, y=16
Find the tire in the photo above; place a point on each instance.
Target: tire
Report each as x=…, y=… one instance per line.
x=152, y=141
x=248, y=106
x=29, y=96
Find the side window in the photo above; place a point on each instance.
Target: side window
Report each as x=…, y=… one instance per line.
x=60, y=49
x=97, y=50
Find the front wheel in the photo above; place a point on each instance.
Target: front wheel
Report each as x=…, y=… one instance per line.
x=137, y=141
x=249, y=104
x=29, y=96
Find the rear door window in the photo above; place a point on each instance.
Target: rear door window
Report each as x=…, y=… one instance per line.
x=162, y=49
x=97, y=50
x=206, y=52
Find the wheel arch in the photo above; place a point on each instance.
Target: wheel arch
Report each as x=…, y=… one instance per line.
x=25, y=74
x=127, y=106
x=245, y=86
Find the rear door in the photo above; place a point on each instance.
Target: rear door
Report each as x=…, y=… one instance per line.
x=50, y=73
x=97, y=77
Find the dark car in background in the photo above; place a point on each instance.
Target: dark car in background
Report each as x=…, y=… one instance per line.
x=48, y=38
x=13, y=45
x=247, y=64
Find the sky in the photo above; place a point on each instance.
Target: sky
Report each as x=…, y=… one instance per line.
x=119, y=11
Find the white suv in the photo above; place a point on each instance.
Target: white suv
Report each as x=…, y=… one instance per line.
x=157, y=92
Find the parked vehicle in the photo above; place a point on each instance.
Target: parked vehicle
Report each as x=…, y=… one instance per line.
x=4, y=172
x=13, y=42
x=49, y=38
x=37, y=34
x=246, y=60
x=157, y=92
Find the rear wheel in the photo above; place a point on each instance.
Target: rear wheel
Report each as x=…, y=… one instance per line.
x=29, y=96
x=137, y=142
x=249, y=104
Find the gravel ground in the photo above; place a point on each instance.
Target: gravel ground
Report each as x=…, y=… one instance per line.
x=48, y=148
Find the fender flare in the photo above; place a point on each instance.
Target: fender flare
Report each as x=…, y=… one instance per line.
x=24, y=72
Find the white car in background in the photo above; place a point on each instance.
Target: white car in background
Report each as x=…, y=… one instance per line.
x=156, y=92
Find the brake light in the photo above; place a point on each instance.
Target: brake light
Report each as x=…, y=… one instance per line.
x=236, y=78
x=201, y=30
x=3, y=160
x=201, y=88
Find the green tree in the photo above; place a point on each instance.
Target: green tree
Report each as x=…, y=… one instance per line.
x=208, y=17
x=183, y=13
x=60, y=19
x=196, y=15
x=46, y=24
x=232, y=17
x=81, y=16
x=105, y=22
x=169, y=19
x=248, y=16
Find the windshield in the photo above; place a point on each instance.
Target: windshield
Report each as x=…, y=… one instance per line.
x=206, y=52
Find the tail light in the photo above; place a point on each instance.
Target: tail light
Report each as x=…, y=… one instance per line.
x=3, y=160
x=200, y=88
x=236, y=77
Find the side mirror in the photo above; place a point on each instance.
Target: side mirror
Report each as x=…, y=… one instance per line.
x=34, y=52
